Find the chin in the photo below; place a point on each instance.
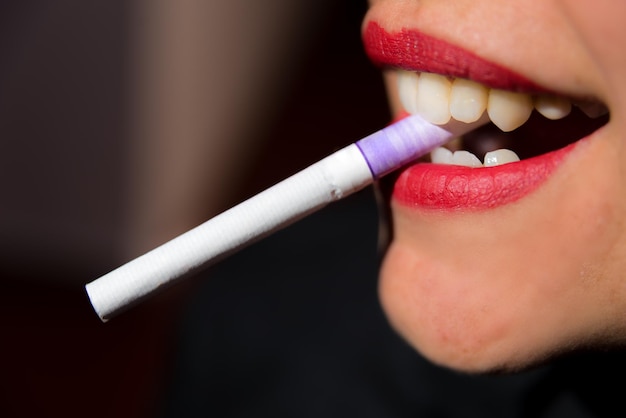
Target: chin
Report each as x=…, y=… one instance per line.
x=471, y=331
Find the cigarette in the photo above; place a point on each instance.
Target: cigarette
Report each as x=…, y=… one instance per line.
x=339, y=175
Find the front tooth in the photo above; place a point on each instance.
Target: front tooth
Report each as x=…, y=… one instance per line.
x=468, y=100
x=553, y=107
x=441, y=155
x=508, y=110
x=433, y=98
x=465, y=158
x=499, y=157
x=407, y=88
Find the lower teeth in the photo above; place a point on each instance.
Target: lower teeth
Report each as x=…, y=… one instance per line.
x=467, y=159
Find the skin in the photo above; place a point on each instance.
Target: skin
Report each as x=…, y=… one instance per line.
x=503, y=289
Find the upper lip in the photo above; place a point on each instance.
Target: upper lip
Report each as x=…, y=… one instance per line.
x=415, y=51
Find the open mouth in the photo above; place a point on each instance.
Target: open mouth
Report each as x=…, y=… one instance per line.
x=526, y=136
x=521, y=125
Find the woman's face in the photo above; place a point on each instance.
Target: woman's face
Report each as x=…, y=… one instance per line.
x=497, y=268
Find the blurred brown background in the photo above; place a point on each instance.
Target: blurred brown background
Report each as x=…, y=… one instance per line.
x=123, y=124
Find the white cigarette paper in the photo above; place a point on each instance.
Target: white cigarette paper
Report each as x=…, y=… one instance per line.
x=330, y=179
x=334, y=177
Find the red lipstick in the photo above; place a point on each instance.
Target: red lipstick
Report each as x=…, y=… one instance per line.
x=446, y=187
x=450, y=187
x=415, y=51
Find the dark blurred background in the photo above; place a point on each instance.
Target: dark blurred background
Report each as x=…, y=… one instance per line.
x=123, y=124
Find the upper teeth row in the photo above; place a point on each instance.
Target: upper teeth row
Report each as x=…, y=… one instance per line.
x=437, y=98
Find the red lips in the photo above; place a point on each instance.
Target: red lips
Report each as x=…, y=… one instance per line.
x=415, y=51
x=437, y=186
x=448, y=187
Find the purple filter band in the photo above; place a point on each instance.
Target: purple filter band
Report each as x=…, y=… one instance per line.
x=401, y=143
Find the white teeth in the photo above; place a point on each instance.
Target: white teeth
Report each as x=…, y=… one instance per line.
x=441, y=155
x=433, y=98
x=499, y=157
x=437, y=99
x=465, y=158
x=553, y=107
x=468, y=100
x=508, y=110
x=407, y=87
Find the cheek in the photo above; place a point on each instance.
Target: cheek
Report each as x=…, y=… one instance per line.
x=595, y=22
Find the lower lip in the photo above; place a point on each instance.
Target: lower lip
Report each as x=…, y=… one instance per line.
x=449, y=187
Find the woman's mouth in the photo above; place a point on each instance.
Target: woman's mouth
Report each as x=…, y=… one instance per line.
x=530, y=133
